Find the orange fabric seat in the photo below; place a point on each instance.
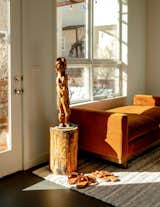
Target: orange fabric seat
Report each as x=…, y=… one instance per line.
x=120, y=133
x=141, y=119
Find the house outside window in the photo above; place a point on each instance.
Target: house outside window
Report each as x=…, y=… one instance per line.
x=92, y=36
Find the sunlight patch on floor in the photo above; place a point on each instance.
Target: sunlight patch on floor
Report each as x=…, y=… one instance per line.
x=44, y=185
x=125, y=177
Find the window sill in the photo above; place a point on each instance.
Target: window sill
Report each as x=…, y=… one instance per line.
x=103, y=104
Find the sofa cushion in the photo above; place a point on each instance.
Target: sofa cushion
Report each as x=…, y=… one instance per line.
x=141, y=119
x=146, y=100
x=139, y=125
x=152, y=112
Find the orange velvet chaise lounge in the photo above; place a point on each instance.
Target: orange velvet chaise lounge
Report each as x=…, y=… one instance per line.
x=121, y=133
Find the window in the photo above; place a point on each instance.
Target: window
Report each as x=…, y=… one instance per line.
x=92, y=36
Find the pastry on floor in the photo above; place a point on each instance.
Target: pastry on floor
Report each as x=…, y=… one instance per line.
x=104, y=176
x=82, y=181
x=72, y=178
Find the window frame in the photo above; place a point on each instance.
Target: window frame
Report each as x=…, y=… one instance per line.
x=92, y=62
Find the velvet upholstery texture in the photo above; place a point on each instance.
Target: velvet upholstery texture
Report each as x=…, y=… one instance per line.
x=120, y=133
x=141, y=119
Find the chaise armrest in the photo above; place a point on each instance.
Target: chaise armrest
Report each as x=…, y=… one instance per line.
x=102, y=132
x=146, y=100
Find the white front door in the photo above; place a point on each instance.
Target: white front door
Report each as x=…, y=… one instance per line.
x=10, y=87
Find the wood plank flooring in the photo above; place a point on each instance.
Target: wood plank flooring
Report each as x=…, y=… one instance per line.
x=12, y=194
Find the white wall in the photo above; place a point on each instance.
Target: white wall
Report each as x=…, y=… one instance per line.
x=39, y=53
x=39, y=100
x=153, y=55
x=136, y=47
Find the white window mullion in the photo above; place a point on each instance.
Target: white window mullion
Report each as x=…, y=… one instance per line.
x=120, y=47
x=87, y=29
x=91, y=81
x=91, y=47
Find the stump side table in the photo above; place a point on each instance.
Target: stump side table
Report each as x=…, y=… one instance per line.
x=63, y=149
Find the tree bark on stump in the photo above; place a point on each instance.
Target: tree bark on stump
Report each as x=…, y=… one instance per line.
x=63, y=149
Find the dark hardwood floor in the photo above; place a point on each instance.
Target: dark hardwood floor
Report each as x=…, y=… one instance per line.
x=12, y=194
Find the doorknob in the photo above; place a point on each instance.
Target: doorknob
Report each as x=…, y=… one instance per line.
x=18, y=91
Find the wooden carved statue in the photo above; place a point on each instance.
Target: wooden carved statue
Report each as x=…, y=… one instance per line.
x=62, y=93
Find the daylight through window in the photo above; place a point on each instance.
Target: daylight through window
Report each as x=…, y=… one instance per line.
x=92, y=36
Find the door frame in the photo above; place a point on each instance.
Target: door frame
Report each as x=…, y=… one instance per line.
x=12, y=160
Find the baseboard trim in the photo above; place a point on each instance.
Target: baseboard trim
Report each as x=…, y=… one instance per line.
x=38, y=160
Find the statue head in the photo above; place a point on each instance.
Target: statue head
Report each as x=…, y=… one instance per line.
x=61, y=65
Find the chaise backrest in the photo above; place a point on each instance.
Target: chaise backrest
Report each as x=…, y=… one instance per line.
x=146, y=100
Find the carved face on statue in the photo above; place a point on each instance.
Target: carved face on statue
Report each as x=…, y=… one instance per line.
x=61, y=65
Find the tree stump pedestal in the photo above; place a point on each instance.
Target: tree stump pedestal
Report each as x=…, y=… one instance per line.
x=63, y=149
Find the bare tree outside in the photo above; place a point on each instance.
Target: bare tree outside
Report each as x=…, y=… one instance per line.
x=4, y=25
